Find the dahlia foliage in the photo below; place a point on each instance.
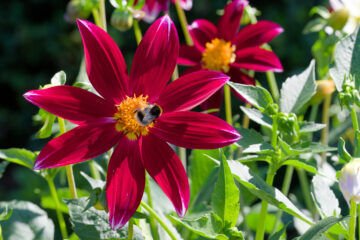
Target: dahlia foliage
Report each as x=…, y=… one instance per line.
x=168, y=152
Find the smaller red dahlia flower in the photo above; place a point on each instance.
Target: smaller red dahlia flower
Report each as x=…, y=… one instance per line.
x=152, y=8
x=224, y=49
x=138, y=114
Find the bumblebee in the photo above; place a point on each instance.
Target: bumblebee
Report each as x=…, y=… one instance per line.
x=146, y=115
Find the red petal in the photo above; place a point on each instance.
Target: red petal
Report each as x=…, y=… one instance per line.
x=79, y=144
x=238, y=76
x=191, y=90
x=255, y=35
x=72, y=103
x=155, y=59
x=214, y=102
x=202, y=31
x=125, y=182
x=229, y=23
x=257, y=59
x=185, y=4
x=189, y=55
x=165, y=167
x=194, y=130
x=105, y=64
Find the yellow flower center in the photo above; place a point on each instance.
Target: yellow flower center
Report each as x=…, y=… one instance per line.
x=218, y=55
x=135, y=116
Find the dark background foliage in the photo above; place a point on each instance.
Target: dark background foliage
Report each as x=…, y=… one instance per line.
x=36, y=42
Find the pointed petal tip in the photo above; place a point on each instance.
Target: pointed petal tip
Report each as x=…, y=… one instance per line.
x=37, y=166
x=115, y=226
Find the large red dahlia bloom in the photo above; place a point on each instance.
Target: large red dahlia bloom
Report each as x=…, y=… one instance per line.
x=225, y=49
x=138, y=114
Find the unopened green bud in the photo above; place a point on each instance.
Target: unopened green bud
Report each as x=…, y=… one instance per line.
x=338, y=18
x=271, y=109
x=122, y=19
x=78, y=9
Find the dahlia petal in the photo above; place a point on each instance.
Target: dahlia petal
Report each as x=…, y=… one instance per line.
x=152, y=8
x=202, y=31
x=238, y=76
x=255, y=35
x=155, y=59
x=214, y=102
x=194, y=130
x=189, y=55
x=165, y=167
x=185, y=4
x=191, y=90
x=105, y=64
x=71, y=103
x=79, y=144
x=257, y=59
x=125, y=182
x=229, y=23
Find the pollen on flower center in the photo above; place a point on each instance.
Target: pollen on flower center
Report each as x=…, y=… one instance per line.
x=134, y=116
x=218, y=55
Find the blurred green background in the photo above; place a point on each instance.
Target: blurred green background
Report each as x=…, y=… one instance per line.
x=36, y=42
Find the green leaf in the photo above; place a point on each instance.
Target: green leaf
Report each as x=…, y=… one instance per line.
x=27, y=221
x=256, y=96
x=315, y=231
x=312, y=147
x=225, y=198
x=209, y=226
x=252, y=220
x=346, y=59
x=46, y=129
x=344, y=155
x=19, y=156
x=257, y=116
x=301, y=164
x=315, y=25
x=287, y=150
x=306, y=127
x=258, y=187
x=94, y=224
x=321, y=11
x=249, y=137
x=326, y=202
x=58, y=79
x=277, y=235
x=94, y=183
x=201, y=168
x=3, y=166
x=5, y=214
x=298, y=89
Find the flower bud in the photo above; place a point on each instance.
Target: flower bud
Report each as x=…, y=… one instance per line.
x=122, y=19
x=78, y=9
x=324, y=89
x=349, y=180
x=338, y=18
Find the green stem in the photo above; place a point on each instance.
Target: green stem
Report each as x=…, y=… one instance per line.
x=137, y=32
x=96, y=16
x=273, y=85
x=152, y=222
x=60, y=217
x=69, y=171
x=182, y=156
x=94, y=171
x=352, y=223
x=354, y=119
x=285, y=190
x=260, y=231
x=158, y=219
x=102, y=14
x=304, y=185
x=131, y=229
x=183, y=23
x=227, y=97
x=325, y=132
x=246, y=119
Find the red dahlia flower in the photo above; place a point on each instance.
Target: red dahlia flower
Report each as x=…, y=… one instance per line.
x=152, y=8
x=139, y=114
x=225, y=49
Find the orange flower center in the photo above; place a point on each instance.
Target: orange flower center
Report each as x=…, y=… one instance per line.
x=135, y=116
x=218, y=55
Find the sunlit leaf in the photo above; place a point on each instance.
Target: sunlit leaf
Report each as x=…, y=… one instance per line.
x=19, y=156
x=3, y=166
x=257, y=116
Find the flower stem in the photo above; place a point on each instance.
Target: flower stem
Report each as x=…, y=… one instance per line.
x=285, y=190
x=94, y=171
x=69, y=171
x=137, y=32
x=95, y=13
x=131, y=229
x=246, y=119
x=352, y=223
x=55, y=197
x=304, y=185
x=227, y=97
x=183, y=23
x=273, y=85
x=354, y=119
x=102, y=14
x=159, y=220
x=152, y=222
x=325, y=131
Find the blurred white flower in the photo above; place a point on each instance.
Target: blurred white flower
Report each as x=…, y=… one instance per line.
x=353, y=6
x=349, y=181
